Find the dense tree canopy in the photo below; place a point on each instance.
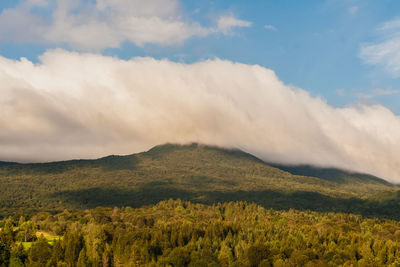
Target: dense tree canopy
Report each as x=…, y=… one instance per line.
x=179, y=233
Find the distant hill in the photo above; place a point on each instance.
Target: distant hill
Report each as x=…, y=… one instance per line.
x=193, y=172
x=4, y=163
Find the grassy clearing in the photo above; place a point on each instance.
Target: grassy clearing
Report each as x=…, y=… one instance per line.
x=49, y=237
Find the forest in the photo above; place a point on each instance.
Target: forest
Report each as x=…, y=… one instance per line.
x=180, y=233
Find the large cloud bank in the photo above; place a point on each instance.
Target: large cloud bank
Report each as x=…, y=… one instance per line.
x=73, y=105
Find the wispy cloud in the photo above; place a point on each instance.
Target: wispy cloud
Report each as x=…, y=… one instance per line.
x=376, y=93
x=270, y=27
x=93, y=26
x=386, y=51
x=350, y=6
x=56, y=110
x=227, y=22
x=341, y=92
x=353, y=9
x=380, y=92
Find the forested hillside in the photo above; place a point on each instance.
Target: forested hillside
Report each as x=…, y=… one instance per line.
x=177, y=233
x=193, y=172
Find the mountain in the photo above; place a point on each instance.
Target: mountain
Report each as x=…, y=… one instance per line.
x=193, y=172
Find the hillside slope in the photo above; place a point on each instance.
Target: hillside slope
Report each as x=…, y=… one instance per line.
x=192, y=172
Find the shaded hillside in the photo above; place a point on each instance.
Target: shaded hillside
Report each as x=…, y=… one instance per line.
x=192, y=172
x=353, y=181
x=6, y=163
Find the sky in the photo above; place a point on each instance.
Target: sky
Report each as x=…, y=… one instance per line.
x=298, y=82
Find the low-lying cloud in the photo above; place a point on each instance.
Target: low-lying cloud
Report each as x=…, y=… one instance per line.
x=73, y=105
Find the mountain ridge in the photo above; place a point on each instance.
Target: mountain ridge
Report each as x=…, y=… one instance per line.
x=296, y=169
x=193, y=172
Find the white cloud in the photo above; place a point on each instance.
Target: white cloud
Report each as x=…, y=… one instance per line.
x=227, y=22
x=105, y=23
x=364, y=95
x=386, y=52
x=73, y=105
x=270, y=27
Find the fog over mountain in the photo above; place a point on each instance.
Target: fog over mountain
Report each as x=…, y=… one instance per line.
x=76, y=105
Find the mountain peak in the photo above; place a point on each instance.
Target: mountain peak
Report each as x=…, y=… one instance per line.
x=200, y=148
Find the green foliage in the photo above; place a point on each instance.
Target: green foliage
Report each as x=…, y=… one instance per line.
x=4, y=254
x=73, y=244
x=39, y=253
x=6, y=239
x=179, y=233
x=57, y=254
x=194, y=173
x=257, y=253
x=26, y=231
x=82, y=260
x=18, y=256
